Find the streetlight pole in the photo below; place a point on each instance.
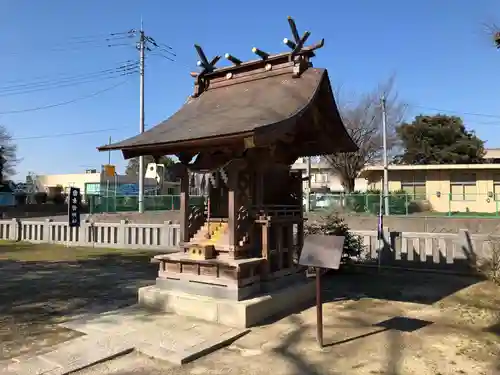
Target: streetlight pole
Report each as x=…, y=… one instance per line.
x=386, y=167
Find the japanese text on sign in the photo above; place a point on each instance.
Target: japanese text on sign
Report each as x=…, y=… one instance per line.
x=74, y=207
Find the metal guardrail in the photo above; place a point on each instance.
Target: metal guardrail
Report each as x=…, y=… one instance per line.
x=400, y=203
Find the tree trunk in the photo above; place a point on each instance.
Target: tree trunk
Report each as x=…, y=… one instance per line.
x=348, y=184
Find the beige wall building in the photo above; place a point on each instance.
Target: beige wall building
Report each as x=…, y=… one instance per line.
x=447, y=188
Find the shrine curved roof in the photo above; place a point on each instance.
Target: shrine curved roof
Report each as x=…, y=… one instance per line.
x=241, y=108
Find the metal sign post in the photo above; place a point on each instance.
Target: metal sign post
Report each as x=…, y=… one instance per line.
x=320, y=252
x=319, y=307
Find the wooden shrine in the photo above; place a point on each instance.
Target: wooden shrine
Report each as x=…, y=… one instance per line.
x=243, y=127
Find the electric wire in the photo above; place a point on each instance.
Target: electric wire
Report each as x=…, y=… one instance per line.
x=63, y=75
x=61, y=135
x=65, y=102
x=67, y=81
x=81, y=43
x=78, y=44
x=66, y=85
x=457, y=112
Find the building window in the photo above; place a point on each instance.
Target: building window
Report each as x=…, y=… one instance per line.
x=463, y=187
x=414, y=185
x=319, y=178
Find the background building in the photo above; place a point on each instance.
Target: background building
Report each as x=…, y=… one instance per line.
x=447, y=188
x=323, y=177
x=94, y=182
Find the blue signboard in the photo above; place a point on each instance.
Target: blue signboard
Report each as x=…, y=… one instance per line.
x=127, y=189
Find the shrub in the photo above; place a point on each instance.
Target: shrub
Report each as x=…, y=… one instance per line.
x=333, y=225
x=489, y=265
x=41, y=197
x=20, y=198
x=59, y=198
x=56, y=194
x=368, y=201
x=400, y=202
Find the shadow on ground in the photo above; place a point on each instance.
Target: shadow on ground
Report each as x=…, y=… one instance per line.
x=394, y=285
x=42, y=286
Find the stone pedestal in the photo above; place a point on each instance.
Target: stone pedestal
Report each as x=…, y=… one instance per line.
x=232, y=313
x=233, y=279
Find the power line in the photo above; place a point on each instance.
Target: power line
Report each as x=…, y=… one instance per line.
x=64, y=79
x=104, y=35
x=66, y=85
x=66, y=102
x=457, y=112
x=60, y=135
x=68, y=82
x=79, y=43
x=63, y=75
x=66, y=134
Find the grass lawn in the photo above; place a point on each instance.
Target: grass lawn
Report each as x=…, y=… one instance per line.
x=42, y=285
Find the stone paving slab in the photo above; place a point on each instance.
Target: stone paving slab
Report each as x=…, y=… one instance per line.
x=68, y=357
x=35, y=366
x=167, y=337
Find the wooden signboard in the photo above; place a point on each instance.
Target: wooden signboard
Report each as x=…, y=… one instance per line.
x=321, y=251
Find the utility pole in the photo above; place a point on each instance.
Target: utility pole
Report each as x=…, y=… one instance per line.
x=109, y=152
x=386, y=168
x=141, y=47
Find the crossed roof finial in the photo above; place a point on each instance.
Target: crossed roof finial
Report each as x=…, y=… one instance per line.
x=203, y=63
x=298, y=45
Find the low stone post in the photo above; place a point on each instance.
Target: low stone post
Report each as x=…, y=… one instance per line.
x=166, y=235
x=14, y=230
x=47, y=232
x=122, y=233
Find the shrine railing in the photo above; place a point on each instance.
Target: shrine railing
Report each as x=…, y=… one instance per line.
x=273, y=210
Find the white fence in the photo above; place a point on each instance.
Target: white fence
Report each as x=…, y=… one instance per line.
x=397, y=247
x=438, y=249
x=112, y=235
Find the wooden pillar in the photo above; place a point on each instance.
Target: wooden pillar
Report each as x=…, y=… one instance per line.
x=259, y=188
x=279, y=245
x=184, y=222
x=300, y=235
x=266, y=250
x=291, y=246
x=232, y=202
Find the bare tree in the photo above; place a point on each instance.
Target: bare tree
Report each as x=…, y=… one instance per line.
x=493, y=31
x=9, y=152
x=363, y=118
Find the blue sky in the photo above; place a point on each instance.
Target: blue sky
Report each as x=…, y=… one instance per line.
x=440, y=52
